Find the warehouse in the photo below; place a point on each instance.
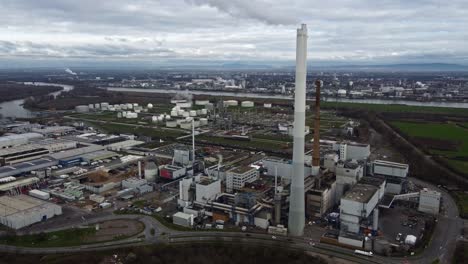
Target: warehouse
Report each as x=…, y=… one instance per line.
x=118, y=146
x=53, y=130
x=55, y=145
x=22, y=210
x=16, y=140
x=32, y=165
x=21, y=153
x=98, y=155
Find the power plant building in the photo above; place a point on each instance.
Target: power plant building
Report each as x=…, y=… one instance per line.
x=237, y=178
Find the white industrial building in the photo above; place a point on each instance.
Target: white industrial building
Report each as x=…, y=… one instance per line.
x=118, y=146
x=281, y=167
x=53, y=130
x=347, y=174
x=351, y=150
x=22, y=210
x=237, y=178
x=17, y=139
x=139, y=185
x=356, y=206
x=429, y=201
x=330, y=161
x=395, y=173
x=183, y=219
x=207, y=189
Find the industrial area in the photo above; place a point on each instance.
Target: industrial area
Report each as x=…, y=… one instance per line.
x=224, y=165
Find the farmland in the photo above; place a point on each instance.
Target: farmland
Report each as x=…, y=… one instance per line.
x=447, y=140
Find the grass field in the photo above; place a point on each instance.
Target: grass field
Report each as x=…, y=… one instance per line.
x=441, y=131
x=64, y=238
x=398, y=108
x=140, y=131
x=462, y=201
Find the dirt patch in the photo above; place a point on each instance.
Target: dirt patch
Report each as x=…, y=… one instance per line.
x=115, y=229
x=438, y=144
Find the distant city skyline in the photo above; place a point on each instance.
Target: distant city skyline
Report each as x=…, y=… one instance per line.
x=237, y=31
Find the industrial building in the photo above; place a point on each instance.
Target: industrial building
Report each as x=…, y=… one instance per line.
x=172, y=172
x=395, y=173
x=21, y=153
x=51, y=131
x=320, y=199
x=429, y=201
x=237, y=178
x=352, y=150
x=22, y=210
x=348, y=173
x=281, y=167
x=207, y=189
x=17, y=139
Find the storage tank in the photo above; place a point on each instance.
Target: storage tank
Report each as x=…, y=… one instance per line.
x=119, y=115
x=151, y=171
x=129, y=106
x=154, y=118
x=180, y=112
x=91, y=106
x=185, y=114
x=201, y=102
x=230, y=103
x=137, y=110
x=124, y=114
x=193, y=113
x=104, y=104
x=149, y=106
x=184, y=104
x=135, y=105
x=124, y=107
x=174, y=113
x=180, y=121
x=82, y=108
x=167, y=117
x=171, y=123
x=199, y=112
x=247, y=104
x=117, y=107
x=204, y=111
x=267, y=105
x=186, y=125
x=161, y=118
x=97, y=106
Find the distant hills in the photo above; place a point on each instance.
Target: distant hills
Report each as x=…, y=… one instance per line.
x=399, y=67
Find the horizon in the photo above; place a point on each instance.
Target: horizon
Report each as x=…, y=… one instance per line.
x=201, y=32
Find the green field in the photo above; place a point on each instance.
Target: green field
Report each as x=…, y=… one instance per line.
x=462, y=201
x=140, y=131
x=64, y=238
x=398, y=108
x=441, y=131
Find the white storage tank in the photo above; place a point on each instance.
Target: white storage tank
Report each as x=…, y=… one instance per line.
x=124, y=114
x=185, y=114
x=129, y=106
x=204, y=111
x=119, y=115
x=97, y=106
x=266, y=105
x=137, y=110
x=184, y=104
x=174, y=113
x=135, y=105
x=186, y=125
x=161, y=118
x=171, y=123
x=124, y=107
x=247, y=104
x=91, y=106
x=180, y=112
x=104, y=104
x=82, y=108
x=167, y=117
x=201, y=102
x=151, y=171
x=149, y=106
x=230, y=103
x=193, y=113
x=154, y=119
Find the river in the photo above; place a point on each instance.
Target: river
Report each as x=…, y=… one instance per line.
x=15, y=108
x=271, y=96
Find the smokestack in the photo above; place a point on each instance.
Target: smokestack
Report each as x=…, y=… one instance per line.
x=316, y=150
x=139, y=169
x=296, y=200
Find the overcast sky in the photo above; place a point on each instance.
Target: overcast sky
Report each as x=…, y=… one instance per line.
x=341, y=31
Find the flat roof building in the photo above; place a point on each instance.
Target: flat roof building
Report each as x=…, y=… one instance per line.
x=22, y=210
x=237, y=178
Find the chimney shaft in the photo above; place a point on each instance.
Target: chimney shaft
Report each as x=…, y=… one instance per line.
x=316, y=150
x=296, y=217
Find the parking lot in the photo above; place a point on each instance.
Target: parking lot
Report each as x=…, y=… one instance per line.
x=401, y=220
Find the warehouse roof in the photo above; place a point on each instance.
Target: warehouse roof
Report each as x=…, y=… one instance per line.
x=361, y=193
x=19, y=183
x=20, y=204
x=20, y=136
x=390, y=164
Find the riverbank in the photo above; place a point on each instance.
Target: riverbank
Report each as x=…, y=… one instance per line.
x=13, y=91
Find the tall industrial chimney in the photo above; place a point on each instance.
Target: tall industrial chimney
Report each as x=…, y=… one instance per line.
x=316, y=150
x=296, y=199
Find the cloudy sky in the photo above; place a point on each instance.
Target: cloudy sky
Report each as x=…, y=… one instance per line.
x=340, y=31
